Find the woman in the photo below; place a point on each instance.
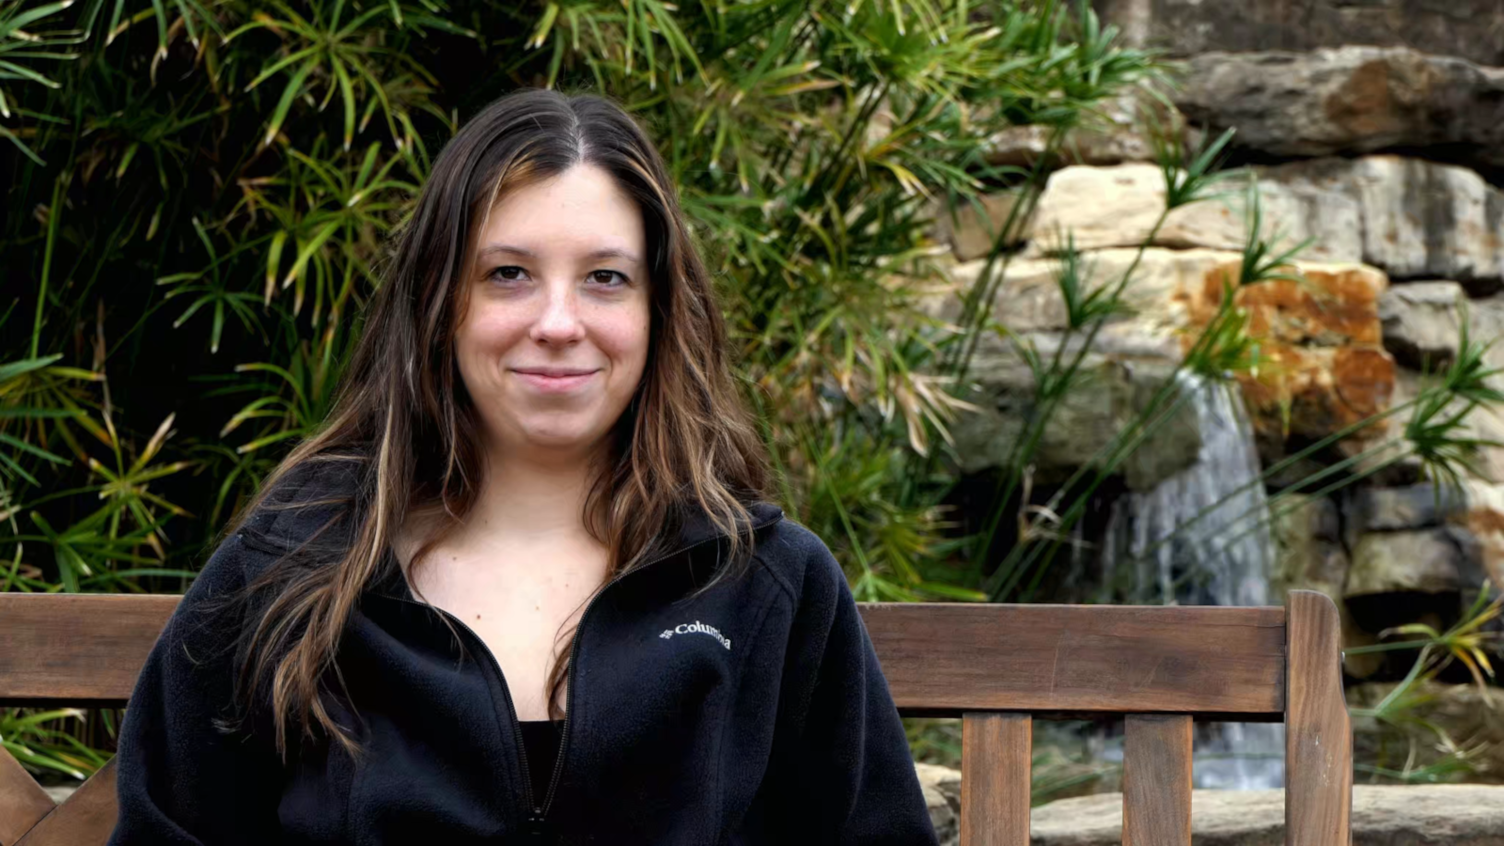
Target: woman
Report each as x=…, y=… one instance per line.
x=521, y=586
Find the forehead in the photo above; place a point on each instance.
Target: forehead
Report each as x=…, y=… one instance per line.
x=579, y=213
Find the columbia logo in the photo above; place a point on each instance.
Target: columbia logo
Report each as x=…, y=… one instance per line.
x=697, y=627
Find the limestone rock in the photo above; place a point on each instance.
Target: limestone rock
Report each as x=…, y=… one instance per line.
x=1117, y=207
x=1411, y=218
x=1132, y=357
x=1321, y=364
x=1308, y=547
x=1309, y=555
x=1424, y=815
x=1411, y=507
x=1423, y=219
x=1465, y=28
x=1320, y=345
x=1100, y=207
x=1484, y=518
x=1351, y=99
x=1431, y=561
x=942, y=794
x=1110, y=394
x=1422, y=323
x=1020, y=146
x=1112, y=134
x=971, y=233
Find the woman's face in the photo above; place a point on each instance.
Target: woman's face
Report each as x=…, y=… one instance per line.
x=555, y=338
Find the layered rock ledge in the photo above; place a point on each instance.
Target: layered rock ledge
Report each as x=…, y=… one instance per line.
x=1383, y=815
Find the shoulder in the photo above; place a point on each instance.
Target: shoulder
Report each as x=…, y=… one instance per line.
x=801, y=562
x=308, y=503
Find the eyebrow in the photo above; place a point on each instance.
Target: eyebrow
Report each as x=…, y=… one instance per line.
x=593, y=255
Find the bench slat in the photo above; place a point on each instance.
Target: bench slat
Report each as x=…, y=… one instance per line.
x=1157, y=780
x=85, y=819
x=1318, y=737
x=939, y=658
x=996, y=754
x=84, y=650
x=943, y=659
x=22, y=800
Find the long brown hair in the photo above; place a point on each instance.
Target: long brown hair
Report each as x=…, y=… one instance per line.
x=405, y=424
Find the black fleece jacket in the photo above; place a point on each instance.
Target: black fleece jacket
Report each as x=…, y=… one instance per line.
x=755, y=713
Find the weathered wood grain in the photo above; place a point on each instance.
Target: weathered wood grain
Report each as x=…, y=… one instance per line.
x=83, y=650
x=85, y=819
x=947, y=658
x=996, y=754
x=1157, y=780
x=939, y=658
x=1318, y=737
x=22, y=800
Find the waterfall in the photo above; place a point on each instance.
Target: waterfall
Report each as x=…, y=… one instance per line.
x=1225, y=558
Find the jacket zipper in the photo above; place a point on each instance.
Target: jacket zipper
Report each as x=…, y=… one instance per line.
x=537, y=813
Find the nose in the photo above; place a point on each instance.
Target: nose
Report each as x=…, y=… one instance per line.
x=559, y=322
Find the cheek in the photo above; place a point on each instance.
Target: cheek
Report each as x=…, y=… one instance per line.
x=487, y=331
x=625, y=338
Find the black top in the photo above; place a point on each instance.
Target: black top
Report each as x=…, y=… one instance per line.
x=540, y=740
x=754, y=713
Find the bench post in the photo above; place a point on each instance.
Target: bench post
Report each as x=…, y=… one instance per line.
x=1157, y=780
x=996, y=755
x=1318, y=737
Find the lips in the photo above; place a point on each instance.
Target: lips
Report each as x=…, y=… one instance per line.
x=554, y=372
x=554, y=379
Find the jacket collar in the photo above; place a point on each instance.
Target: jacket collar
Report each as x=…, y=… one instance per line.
x=697, y=527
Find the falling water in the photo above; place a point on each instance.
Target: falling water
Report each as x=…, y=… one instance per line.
x=1223, y=558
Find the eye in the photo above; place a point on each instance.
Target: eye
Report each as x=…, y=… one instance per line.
x=605, y=277
x=507, y=273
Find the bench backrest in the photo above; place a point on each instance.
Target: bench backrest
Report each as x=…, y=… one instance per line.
x=995, y=666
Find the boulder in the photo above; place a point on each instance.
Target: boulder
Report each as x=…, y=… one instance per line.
x=1132, y=357
x=1430, y=561
x=1413, y=219
x=1108, y=396
x=1111, y=133
x=1117, y=206
x=1422, y=220
x=1422, y=323
x=1411, y=507
x=1350, y=99
x=1309, y=555
x=971, y=233
x=1322, y=361
x=1484, y=518
x=942, y=794
x=1382, y=815
x=1321, y=366
x=1465, y=28
x=1308, y=547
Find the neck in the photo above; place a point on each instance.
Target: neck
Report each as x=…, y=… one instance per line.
x=533, y=495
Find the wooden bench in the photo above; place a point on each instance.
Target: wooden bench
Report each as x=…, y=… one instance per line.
x=995, y=666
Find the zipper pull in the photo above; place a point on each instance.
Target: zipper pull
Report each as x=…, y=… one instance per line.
x=537, y=829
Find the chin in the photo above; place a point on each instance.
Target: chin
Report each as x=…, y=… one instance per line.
x=564, y=438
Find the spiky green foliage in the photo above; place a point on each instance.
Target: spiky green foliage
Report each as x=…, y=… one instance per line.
x=200, y=191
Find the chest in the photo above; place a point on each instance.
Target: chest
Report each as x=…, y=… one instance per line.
x=522, y=604
x=661, y=705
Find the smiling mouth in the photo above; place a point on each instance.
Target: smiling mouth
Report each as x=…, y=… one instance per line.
x=556, y=381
